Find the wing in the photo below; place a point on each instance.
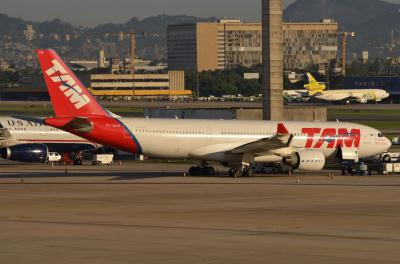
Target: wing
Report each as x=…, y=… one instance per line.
x=5, y=138
x=70, y=124
x=282, y=139
x=330, y=96
x=264, y=145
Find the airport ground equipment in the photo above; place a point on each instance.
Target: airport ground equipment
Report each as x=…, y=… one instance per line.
x=53, y=157
x=388, y=157
x=390, y=168
x=361, y=168
x=103, y=159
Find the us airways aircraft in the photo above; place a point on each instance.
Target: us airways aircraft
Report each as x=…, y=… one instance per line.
x=235, y=144
x=27, y=139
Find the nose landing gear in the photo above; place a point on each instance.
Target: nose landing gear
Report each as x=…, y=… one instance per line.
x=245, y=171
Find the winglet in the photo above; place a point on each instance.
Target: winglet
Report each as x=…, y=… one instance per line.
x=282, y=130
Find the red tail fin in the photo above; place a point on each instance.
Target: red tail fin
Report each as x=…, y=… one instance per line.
x=68, y=96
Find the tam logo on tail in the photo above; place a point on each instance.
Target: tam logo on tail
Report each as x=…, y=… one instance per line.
x=71, y=89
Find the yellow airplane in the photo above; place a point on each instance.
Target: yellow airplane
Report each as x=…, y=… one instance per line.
x=313, y=85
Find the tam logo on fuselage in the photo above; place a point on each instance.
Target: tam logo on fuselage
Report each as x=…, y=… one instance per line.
x=316, y=137
x=68, y=85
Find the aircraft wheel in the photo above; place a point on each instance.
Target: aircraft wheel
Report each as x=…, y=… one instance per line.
x=231, y=172
x=250, y=172
x=210, y=171
x=238, y=173
x=386, y=159
x=193, y=171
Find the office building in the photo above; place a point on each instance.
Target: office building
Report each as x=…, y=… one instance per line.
x=227, y=43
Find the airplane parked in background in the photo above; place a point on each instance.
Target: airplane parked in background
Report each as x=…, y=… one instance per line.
x=362, y=96
x=235, y=144
x=27, y=139
x=303, y=95
x=315, y=89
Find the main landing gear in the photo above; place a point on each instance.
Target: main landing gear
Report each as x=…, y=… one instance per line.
x=245, y=171
x=202, y=170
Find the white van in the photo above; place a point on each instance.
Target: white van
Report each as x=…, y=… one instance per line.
x=53, y=157
x=103, y=159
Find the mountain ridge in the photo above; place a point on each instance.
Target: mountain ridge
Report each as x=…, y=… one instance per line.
x=372, y=20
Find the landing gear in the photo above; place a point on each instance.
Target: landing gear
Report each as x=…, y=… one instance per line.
x=245, y=171
x=202, y=170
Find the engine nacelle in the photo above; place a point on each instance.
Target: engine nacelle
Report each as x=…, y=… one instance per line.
x=363, y=100
x=26, y=153
x=307, y=160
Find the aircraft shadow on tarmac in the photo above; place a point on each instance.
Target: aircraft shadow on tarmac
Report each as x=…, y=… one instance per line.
x=117, y=175
x=112, y=175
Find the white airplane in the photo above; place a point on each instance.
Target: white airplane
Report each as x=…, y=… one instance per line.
x=317, y=90
x=359, y=95
x=235, y=144
x=27, y=139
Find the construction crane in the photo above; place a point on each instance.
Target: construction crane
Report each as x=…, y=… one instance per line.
x=344, y=48
x=132, y=54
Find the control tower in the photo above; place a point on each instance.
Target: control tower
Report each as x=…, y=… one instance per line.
x=272, y=73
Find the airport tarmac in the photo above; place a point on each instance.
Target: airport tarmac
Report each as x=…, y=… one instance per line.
x=151, y=213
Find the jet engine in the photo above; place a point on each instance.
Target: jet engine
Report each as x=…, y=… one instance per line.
x=25, y=152
x=307, y=160
x=363, y=100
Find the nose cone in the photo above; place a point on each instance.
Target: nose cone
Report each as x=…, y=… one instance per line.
x=386, y=95
x=387, y=144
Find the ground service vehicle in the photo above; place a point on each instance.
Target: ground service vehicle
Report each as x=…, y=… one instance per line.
x=53, y=157
x=103, y=159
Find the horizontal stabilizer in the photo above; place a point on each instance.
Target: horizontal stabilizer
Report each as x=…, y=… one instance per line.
x=72, y=124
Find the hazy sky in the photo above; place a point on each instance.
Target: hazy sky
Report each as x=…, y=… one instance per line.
x=92, y=12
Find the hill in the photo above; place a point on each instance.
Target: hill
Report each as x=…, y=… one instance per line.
x=372, y=20
x=80, y=42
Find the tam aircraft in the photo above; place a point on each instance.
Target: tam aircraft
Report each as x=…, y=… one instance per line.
x=27, y=139
x=235, y=144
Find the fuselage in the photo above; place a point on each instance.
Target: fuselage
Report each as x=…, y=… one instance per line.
x=363, y=95
x=24, y=130
x=181, y=139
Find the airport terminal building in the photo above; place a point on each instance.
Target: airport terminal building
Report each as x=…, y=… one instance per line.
x=128, y=86
x=106, y=86
x=227, y=43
